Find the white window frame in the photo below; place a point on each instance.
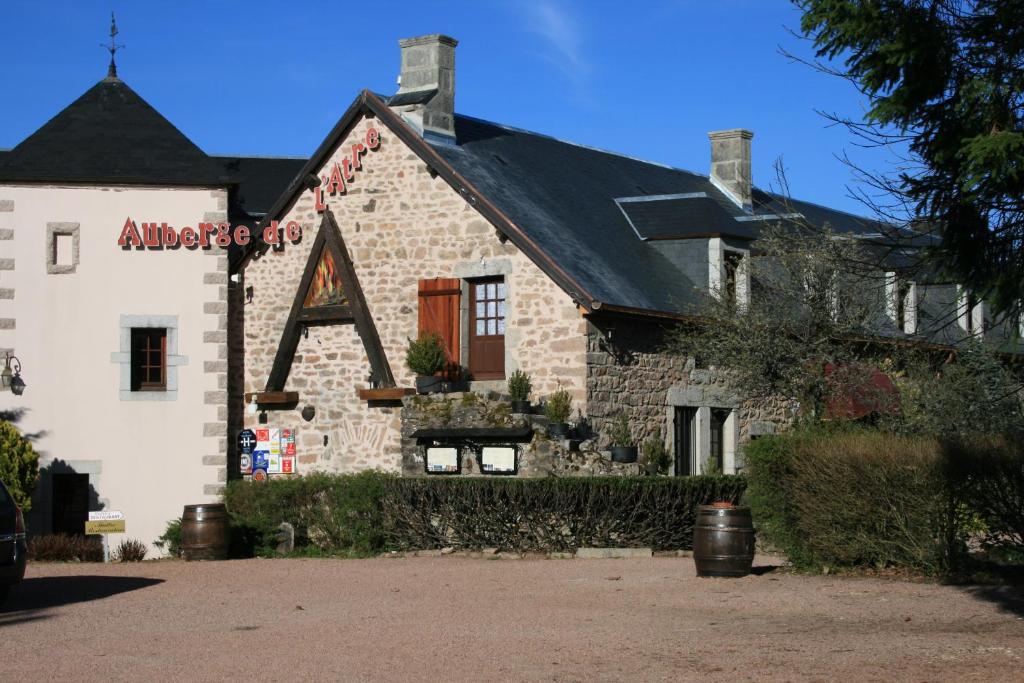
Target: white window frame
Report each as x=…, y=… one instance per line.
x=893, y=283
x=702, y=428
x=716, y=271
x=53, y=230
x=972, y=321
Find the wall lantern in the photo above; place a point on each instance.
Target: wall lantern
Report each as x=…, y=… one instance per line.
x=11, y=375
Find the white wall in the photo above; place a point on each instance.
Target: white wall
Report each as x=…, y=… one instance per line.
x=145, y=457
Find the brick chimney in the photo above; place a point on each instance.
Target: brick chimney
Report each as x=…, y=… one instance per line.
x=426, y=85
x=730, y=164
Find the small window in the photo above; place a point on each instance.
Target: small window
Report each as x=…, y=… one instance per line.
x=61, y=248
x=149, y=359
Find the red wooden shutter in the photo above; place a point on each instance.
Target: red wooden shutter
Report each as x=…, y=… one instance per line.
x=439, y=312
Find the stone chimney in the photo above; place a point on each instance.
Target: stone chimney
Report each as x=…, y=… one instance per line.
x=426, y=85
x=730, y=164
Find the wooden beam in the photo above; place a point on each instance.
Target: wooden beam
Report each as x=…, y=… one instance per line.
x=265, y=398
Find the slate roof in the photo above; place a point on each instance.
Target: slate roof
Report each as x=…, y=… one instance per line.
x=110, y=134
x=260, y=179
x=564, y=197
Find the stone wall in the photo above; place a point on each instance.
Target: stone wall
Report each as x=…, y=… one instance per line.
x=631, y=372
x=540, y=457
x=401, y=223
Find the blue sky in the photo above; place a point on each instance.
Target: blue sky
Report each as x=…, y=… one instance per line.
x=648, y=79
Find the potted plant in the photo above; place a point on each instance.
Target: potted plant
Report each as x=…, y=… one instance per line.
x=557, y=409
x=425, y=357
x=623, y=447
x=656, y=458
x=519, y=387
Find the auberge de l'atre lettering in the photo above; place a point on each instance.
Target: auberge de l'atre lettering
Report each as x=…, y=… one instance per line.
x=203, y=236
x=206, y=235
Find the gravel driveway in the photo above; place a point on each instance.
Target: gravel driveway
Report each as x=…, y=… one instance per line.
x=457, y=618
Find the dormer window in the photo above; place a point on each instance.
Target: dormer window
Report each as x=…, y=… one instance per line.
x=728, y=273
x=970, y=312
x=901, y=302
x=731, y=262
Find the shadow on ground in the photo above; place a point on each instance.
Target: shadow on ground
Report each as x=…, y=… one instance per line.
x=31, y=596
x=1006, y=598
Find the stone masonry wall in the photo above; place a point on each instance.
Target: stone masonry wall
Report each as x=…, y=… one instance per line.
x=401, y=223
x=541, y=456
x=635, y=374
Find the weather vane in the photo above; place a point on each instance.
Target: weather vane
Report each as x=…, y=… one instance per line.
x=112, y=48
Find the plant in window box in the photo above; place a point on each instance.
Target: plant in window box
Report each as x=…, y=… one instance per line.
x=519, y=387
x=623, y=446
x=425, y=357
x=557, y=409
x=656, y=458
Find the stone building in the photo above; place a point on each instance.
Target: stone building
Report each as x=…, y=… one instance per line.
x=122, y=350
x=523, y=252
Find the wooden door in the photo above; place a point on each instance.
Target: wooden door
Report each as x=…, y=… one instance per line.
x=487, y=329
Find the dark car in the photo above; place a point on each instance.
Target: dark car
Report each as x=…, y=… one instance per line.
x=12, y=543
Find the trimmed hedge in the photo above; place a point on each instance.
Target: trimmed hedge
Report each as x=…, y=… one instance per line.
x=330, y=512
x=847, y=497
x=371, y=511
x=854, y=497
x=550, y=514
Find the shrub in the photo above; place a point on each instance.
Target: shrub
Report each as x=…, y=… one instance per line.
x=656, y=455
x=619, y=431
x=831, y=497
x=64, y=548
x=329, y=512
x=425, y=356
x=364, y=513
x=129, y=550
x=549, y=514
x=558, y=407
x=170, y=541
x=19, y=465
x=519, y=386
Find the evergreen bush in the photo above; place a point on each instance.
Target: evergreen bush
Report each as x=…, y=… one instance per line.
x=558, y=407
x=519, y=386
x=19, y=465
x=425, y=355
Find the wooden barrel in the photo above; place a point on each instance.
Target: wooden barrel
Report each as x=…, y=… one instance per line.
x=723, y=541
x=204, y=532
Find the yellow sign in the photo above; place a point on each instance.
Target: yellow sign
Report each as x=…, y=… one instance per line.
x=106, y=526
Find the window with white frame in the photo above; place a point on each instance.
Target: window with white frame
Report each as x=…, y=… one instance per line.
x=704, y=439
x=901, y=302
x=970, y=312
x=62, y=248
x=729, y=272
